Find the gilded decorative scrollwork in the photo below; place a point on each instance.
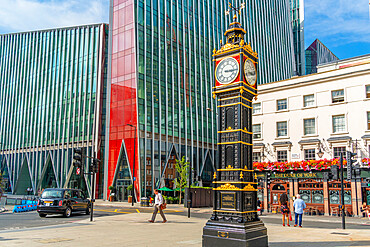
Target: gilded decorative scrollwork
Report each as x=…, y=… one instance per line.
x=227, y=187
x=248, y=187
x=229, y=46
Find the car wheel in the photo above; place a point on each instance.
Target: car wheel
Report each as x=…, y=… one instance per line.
x=68, y=212
x=88, y=210
x=42, y=215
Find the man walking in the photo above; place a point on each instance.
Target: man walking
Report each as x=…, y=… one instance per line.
x=158, y=206
x=299, y=206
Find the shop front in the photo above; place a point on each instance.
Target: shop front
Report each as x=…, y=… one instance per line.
x=322, y=196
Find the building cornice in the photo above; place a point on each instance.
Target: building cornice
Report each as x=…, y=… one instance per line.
x=312, y=79
x=55, y=29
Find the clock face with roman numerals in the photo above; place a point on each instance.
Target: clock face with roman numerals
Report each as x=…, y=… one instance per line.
x=227, y=70
x=250, y=72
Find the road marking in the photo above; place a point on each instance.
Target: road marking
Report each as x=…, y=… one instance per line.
x=115, y=210
x=109, y=211
x=137, y=210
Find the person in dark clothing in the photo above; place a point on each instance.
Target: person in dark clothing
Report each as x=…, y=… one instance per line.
x=259, y=208
x=284, y=208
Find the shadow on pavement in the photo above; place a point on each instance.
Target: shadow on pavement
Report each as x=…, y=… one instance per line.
x=6, y=239
x=320, y=244
x=168, y=222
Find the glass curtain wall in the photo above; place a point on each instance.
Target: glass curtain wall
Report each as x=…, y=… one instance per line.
x=177, y=114
x=297, y=15
x=317, y=53
x=50, y=96
x=269, y=30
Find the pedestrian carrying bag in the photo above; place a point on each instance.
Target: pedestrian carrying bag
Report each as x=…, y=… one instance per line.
x=290, y=216
x=164, y=206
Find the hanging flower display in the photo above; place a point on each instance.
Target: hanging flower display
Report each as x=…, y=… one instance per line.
x=366, y=161
x=306, y=165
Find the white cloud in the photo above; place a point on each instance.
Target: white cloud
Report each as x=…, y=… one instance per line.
x=26, y=15
x=343, y=21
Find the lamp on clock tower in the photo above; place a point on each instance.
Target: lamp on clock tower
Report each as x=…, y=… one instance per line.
x=234, y=221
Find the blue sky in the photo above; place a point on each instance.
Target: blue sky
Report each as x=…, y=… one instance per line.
x=26, y=15
x=342, y=25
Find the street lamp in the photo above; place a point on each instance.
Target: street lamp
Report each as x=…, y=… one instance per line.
x=320, y=153
x=133, y=167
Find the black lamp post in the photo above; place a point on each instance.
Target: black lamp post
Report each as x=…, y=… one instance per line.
x=133, y=166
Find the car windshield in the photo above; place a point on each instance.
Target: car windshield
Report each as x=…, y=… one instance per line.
x=52, y=194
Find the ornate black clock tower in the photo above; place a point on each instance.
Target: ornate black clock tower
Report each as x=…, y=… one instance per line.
x=234, y=221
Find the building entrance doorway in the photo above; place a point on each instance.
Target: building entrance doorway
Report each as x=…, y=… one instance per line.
x=121, y=189
x=122, y=193
x=278, y=187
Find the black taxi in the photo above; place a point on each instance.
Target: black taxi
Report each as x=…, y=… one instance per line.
x=63, y=201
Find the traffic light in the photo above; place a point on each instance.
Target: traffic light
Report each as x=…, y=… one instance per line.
x=78, y=158
x=334, y=172
x=350, y=164
x=268, y=178
x=367, y=182
x=95, y=166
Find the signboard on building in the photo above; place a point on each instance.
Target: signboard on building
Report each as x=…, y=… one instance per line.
x=297, y=175
x=295, y=156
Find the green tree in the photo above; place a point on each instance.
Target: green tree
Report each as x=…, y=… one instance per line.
x=182, y=170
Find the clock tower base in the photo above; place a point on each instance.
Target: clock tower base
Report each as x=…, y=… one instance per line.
x=222, y=234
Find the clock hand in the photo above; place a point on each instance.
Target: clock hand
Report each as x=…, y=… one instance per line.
x=230, y=70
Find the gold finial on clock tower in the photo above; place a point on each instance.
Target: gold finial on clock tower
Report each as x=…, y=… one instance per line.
x=235, y=9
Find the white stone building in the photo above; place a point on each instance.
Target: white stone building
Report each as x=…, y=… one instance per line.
x=328, y=111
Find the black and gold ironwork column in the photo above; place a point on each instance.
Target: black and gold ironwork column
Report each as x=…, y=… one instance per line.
x=234, y=221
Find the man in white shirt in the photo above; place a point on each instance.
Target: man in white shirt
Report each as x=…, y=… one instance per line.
x=157, y=206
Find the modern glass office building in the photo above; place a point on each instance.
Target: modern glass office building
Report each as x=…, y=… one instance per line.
x=161, y=78
x=52, y=100
x=297, y=14
x=317, y=53
x=269, y=30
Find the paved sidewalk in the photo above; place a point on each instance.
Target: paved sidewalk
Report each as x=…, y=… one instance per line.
x=321, y=218
x=135, y=230
x=177, y=207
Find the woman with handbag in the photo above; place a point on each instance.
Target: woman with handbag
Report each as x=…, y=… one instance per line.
x=284, y=207
x=158, y=205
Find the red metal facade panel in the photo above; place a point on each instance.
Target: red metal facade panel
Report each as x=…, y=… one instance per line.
x=123, y=105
